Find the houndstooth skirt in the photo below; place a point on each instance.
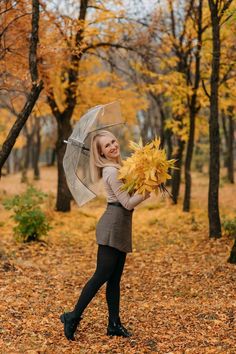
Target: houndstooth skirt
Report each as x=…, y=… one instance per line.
x=114, y=228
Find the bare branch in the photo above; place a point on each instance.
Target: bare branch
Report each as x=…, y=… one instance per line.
x=225, y=7
x=112, y=64
x=19, y=124
x=112, y=45
x=205, y=89
x=12, y=21
x=226, y=75
x=8, y=9
x=172, y=19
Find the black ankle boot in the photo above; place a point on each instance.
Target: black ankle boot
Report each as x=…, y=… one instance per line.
x=115, y=328
x=70, y=325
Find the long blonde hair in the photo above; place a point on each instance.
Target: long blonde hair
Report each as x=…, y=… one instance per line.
x=97, y=161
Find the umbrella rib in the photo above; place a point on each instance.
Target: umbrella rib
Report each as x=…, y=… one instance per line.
x=107, y=126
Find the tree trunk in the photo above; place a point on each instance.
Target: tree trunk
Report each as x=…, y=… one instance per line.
x=53, y=157
x=168, y=141
x=232, y=257
x=192, y=114
x=188, y=160
x=162, y=121
x=230, y=145
x=226, y=138
x=63, y=193
x=27, y=154
x=144, y=125
x=176, y=177
x=37, y=148
x=214, y=168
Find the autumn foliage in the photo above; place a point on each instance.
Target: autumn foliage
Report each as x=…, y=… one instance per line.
x=159, y=60
x=171, y=289
x=147, y=169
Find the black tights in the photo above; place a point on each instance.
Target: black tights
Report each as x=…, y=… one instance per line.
x=110, y=265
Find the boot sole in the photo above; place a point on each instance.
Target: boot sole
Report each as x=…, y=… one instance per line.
x=118, y=335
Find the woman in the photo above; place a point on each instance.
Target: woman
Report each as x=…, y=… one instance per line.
x=113, y=234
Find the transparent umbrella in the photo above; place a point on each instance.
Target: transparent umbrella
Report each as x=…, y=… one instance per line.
x=76, y=158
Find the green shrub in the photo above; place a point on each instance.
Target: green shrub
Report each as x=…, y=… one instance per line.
x=229, y=225
x=31, y=222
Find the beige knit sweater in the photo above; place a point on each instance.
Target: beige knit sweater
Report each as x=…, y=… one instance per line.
x=115, y=193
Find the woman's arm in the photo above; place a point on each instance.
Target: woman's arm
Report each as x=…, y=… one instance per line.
x=128, y=202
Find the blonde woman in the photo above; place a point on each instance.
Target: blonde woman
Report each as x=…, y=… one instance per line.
x=113, y=234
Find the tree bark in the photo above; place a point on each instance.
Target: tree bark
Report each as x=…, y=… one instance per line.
x=228, y=150
x=214, y=168
x=53, y=157
x=176, y=177
x=27, y=154
x=63, y=193
x=230, y=145
x=188, y=160
x=226, y=138
x=36, y=150
x=162, y=119
x=192, y=114
x=168, y=134
x=168, y=141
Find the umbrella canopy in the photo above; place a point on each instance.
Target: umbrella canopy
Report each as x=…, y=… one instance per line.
x=76, y=158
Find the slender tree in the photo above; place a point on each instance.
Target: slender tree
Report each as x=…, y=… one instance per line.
x=193, y=109
x=217, y=10
x=228, y=130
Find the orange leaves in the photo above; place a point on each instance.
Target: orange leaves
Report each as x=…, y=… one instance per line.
x=171, y=288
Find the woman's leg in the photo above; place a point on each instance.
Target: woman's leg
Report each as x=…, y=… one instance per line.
x=107, y=258
x=113, y=289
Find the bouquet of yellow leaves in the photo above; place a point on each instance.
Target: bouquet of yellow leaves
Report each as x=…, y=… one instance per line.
x=146, y=169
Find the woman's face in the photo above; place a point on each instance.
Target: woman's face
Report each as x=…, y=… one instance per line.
x=109, y=147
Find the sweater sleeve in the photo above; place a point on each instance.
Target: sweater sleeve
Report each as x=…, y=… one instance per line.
x=128, y=202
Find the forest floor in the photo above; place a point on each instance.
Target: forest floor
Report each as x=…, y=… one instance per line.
x=177, y=290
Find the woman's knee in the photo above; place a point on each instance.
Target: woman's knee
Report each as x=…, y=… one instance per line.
x=100, y=277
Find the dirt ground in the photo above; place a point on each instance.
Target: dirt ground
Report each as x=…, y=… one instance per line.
x=177, y=290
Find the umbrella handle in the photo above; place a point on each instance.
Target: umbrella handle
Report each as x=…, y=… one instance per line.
x=78, y=144
x=73, y=142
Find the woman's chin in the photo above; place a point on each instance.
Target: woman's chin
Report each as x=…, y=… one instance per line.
x=115, y=156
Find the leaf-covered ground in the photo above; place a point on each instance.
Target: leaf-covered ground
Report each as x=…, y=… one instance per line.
x=178, y=291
